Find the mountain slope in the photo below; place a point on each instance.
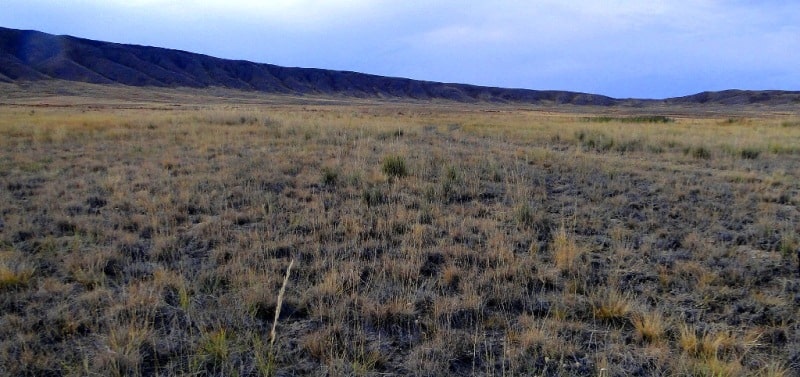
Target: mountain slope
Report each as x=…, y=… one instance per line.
x=740, y=97
x=31, y=55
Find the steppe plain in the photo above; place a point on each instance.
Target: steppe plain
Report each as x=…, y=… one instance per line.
x=149, y=232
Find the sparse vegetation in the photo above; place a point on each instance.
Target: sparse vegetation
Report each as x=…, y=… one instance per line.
x=698, y=152
x=394, y=166
x=630, y=119
x=750, y=153
x=13, y=273
x=650, y=327
x=426, y=239
x=612, y=306
x=330, y=177
x=791, y=123
x=565, y=251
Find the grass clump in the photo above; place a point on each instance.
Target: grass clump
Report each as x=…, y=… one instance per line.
x=524, y=215
x=565, y=251
x=330, y=177
x=391, y=134
x=215, y=347
x=373, y=196
x=650, y=327
x=14, y=274
x=595, y=140
x=713, y=367
x=611, y=306
x=711, y=353
x=775, y=369
x=698, y=152
x=598, y=141
x=706, y=345
x=749, y=153
x=14, y=277
x=633, y=119
x=394, y=166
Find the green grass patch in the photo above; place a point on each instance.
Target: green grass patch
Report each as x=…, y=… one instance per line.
x=394, y=166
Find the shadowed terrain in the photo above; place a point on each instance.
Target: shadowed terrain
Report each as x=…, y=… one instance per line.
x=30, y=55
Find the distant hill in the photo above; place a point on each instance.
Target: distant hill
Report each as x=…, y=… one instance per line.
x=27, y=55
x=740, y=97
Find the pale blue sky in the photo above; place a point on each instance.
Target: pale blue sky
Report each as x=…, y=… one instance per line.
x=620, y=48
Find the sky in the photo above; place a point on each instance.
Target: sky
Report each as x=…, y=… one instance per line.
x=619, y=48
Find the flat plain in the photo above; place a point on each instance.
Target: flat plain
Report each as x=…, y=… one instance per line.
x=153, y=236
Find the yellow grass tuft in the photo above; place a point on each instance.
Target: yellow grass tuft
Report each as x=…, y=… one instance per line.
x=611, y=305
x=14, y=274
x=565, y=251
x=650, y=327
x=707, y=345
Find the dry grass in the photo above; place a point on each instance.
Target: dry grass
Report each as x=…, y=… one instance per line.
x=14, y=274
x=428, y=239
x=612, y=306
x=565, y=251
x=650, y=327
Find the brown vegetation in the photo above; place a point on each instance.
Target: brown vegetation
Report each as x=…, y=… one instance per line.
x=426, y=239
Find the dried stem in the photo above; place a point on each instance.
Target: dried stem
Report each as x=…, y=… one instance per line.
x=280, y=303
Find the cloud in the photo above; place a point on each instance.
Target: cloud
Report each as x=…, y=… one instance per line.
x=460, y=35
x=616, y=47
x=300, y=15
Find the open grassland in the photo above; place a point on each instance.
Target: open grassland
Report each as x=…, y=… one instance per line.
x=426, y=240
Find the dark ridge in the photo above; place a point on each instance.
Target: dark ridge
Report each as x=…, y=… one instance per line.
x=27, y=55
x=740, y=97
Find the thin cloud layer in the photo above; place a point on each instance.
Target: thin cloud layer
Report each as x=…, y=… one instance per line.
x=620, y=48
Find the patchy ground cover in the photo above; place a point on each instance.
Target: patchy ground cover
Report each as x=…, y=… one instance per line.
x=426, y=240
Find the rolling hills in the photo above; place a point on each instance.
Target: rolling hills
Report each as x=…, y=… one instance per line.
x=27, y=55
